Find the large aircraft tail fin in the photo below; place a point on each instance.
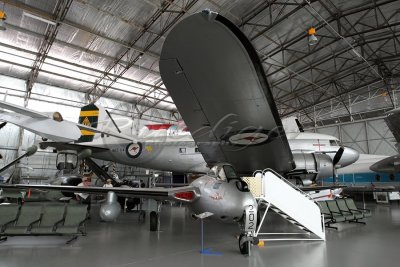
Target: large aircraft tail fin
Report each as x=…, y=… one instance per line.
x=393, y=122
x=292, y=125
x=88, y=116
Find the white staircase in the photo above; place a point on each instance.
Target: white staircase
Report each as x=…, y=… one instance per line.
x=281, y=196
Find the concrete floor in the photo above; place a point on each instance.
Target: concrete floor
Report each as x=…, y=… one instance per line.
x=127, y=243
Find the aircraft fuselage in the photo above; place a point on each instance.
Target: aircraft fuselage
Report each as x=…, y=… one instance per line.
x=180, y=154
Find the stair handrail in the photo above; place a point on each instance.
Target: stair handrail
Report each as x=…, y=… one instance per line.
x=290, y=184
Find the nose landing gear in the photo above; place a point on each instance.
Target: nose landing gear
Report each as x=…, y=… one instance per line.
x=246, y=241
x=247, y=238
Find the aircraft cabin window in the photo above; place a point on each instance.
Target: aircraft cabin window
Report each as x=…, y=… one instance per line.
x=182, y=150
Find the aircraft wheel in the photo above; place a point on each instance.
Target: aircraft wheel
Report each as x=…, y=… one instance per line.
x=244, y=245
x=153, y=221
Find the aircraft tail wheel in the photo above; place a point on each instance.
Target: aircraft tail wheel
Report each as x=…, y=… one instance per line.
x=244, y=245
x=153, y=221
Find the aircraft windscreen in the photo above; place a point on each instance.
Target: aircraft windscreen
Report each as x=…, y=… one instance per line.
x=230, y=172
x=334, y=143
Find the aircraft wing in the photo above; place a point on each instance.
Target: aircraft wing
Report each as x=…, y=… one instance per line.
x=218, y=84
x=43, y=125
x=60, y=131
x=22, y=110
x=184, y=194
x=71, y=146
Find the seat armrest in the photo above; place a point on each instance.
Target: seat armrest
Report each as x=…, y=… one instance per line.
x=356, y=210
x=8, y=223
x=32, y=223
x=364, y=209
x=84, y=220
x=59, y=222
x=345, y=212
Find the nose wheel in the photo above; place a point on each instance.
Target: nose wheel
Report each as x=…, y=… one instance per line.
x=244, y=244
x=247, y=238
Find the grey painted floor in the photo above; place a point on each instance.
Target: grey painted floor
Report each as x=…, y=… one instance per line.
x=127, y=243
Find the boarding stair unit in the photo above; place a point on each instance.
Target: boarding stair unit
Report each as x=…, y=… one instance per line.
x=274, y=192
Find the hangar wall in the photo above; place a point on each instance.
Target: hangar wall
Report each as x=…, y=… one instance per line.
x=370, y=136
x=47, y=98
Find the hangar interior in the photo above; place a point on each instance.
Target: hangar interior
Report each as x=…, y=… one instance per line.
x=60, y=55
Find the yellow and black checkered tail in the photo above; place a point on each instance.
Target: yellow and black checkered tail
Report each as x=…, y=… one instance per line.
x=89, y=116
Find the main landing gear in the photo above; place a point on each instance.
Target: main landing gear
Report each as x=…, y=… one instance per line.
x=154, y=221
x=155, y=208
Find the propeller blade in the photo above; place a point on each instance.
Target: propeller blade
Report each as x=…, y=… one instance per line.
x=338, y=156
x=3, y=124
x=301, y=129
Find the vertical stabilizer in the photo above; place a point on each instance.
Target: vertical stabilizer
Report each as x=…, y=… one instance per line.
x=88, y=116
x=393, y=122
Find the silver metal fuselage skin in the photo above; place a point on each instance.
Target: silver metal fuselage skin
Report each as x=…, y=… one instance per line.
x=222, y=198
x=179, y=153
x=179, y=156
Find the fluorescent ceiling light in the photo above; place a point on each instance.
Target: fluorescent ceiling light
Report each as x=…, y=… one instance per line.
x=39, y=18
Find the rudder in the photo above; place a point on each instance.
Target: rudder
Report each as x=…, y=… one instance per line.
x=88, y=116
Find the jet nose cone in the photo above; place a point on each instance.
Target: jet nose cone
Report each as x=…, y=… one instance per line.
x=349, y=157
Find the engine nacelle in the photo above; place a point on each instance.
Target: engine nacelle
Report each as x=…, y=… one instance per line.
x=110, y=210
x=311, y=166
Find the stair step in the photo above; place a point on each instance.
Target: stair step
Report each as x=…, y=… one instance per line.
x=300, y=213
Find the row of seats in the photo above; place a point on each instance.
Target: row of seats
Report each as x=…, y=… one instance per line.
x=42, y=219
x=342, y=210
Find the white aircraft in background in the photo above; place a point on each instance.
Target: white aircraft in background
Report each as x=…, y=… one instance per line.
x=374, y=171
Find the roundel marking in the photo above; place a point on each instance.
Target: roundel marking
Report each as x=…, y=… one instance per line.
x=245, y=139
x=250, y=137
x=133, y=150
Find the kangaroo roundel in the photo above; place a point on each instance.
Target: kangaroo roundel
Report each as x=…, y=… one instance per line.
x=133, y=150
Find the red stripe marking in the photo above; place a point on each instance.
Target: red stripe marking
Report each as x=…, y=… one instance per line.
x=156, y=127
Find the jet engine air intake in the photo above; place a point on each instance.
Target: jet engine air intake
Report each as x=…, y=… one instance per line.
x=311, y=166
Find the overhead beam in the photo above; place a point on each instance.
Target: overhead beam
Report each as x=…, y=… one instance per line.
x=61, y=11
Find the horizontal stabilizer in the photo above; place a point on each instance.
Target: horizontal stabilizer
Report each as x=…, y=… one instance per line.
x=70, y=146
x=59, y=131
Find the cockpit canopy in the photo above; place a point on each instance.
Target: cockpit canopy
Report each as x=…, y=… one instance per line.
x=224, y=172
x=334, y=143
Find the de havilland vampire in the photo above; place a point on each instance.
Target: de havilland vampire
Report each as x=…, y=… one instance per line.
x=218, y=84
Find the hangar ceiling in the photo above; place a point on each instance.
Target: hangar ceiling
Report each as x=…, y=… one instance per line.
x=110, y=48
